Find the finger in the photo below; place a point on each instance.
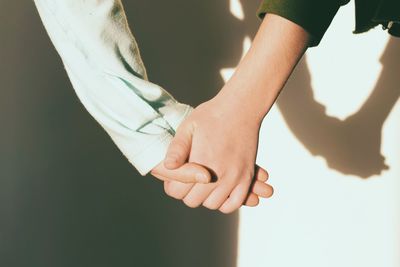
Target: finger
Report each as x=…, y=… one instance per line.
x=177, y=190
x=261, y=174
x=198, y=194
x=159, y=177
x=217, y=197
x=262, y=189
x=179, y=149
x=252, y=200
x=236, y=199
x=188, y=173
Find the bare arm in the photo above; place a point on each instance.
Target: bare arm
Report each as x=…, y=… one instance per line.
x=222, y=134
x=261, y=75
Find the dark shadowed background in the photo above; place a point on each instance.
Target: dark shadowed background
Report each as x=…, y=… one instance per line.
x=67, y=195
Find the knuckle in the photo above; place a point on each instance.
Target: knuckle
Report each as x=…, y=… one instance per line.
x=227, y=210
x=235, y=173
x=169, y=193
x=173, y=153
x=175, y=196
x=212, y=205
x=174, y=192
x=179, y=145
x=177, y=148
x=231, y=177
x=167, y=188
x=247, y=176
x=191, y=204
x=236, y=203
x=244, y=177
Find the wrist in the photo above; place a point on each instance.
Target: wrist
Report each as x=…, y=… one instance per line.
x=242, y=103
x=263, y=72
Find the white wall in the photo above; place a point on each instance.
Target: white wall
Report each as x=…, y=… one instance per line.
x=336, y=204
x=69, y=198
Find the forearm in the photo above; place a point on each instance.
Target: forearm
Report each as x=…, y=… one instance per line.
x=104, y=65
x=263, y=72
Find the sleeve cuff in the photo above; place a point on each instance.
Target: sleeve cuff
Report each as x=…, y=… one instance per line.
x=152, y=155
x=314, y=16
x=155, y=153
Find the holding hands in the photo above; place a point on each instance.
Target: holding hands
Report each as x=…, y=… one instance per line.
x=211, y=159
x=222, y=134
x=220, y=137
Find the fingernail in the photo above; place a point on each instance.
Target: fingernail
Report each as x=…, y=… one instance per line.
x=201, y=178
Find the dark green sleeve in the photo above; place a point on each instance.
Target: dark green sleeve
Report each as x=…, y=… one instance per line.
x=314, y=16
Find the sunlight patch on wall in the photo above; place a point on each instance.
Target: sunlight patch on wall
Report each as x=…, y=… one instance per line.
x=320, y=216
x=228, y=72
x=236, y=8
x=337, y=79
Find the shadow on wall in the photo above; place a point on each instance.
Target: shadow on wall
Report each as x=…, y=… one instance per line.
x=351, y=146
x=68, y=196
x=185, y=44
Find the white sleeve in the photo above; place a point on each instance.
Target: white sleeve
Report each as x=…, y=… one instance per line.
x=104, y=65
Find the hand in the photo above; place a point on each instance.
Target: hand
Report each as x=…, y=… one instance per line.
x=187, y=173
x=177, y=183
x=221, y=135
x=258, y=189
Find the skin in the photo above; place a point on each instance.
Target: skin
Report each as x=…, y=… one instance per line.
x=222, y=133
x=187, y=174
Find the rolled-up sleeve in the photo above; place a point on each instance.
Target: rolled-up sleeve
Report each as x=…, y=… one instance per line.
x=103, y=62
x=314, y=16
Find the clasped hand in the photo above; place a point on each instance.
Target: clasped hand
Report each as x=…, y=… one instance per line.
x=211, y=159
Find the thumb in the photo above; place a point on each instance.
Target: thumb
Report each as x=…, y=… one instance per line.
x=188, y=173
x=179, y=149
